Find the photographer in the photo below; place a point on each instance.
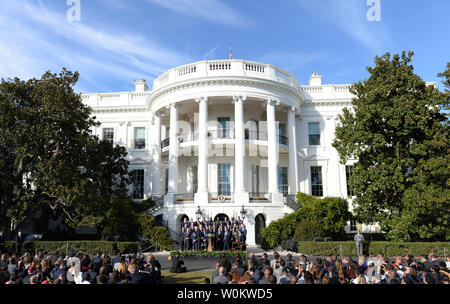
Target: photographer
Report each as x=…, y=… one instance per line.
x=177, y=265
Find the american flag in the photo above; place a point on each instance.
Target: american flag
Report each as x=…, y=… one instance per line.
x=231, y=54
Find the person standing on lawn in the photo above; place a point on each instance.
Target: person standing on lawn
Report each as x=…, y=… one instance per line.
x=19, y=242
x=359, y=238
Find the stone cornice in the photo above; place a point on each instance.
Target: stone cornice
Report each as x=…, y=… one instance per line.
x=122, y=109
x=224, y=80
x=327, y=102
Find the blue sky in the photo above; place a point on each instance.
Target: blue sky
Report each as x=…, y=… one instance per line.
x=118, y=41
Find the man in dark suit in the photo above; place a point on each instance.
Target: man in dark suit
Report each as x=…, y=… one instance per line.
x=244, y=232
x=2, y=243
x=195, y=238
x=226, y=239
x=241, y=238
x=19, y=242
x=187, y=239
x=182, y=237
x=219, y=238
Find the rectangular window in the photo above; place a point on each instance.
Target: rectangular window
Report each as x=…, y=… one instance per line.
x=138, y=184
x=255, y=179
x=353, y=226
x=224, y=181
x=283, y=184
x=348, y=173
x=139, y=138
x=166, y=182
x=224, y=128
x=314, y=133
x=316, y=181
x=108, y=135
x=194, y=179
x=282, y=134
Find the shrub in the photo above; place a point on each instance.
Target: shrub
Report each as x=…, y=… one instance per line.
x=414, y=248
x=373, y=248
x=120, y=220
x=307, y=230
x=327, y=248
x=161, y=236
x=330, y=212
x=145, y=223
x=90, y=247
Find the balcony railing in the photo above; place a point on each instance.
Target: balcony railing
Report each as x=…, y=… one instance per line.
x=259, y=196
x=255, y=135
x=229, y=134
x=224, y=133
x=166, y=142
x=182, y=198
x=225, y=67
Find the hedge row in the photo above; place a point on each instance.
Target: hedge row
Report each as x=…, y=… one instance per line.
x=200, y=253
x=91, y=247
x=373, y=248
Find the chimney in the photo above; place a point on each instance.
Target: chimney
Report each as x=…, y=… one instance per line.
x=315, y=79
x=140, y=85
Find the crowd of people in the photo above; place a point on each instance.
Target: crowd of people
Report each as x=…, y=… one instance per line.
x=217, y=235
x=79, y=268
x=426, y=269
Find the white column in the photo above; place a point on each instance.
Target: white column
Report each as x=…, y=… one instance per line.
x=272, y=147
x=293, y=165
x=173, y=150
x=156, y=157
x=239, y=148
x=240, y=192
x=202, y=195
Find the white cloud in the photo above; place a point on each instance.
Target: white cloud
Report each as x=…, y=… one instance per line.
x=210, y=52
x=212, y=10
x=351, y=17
x=293, y=60
x=34, y=39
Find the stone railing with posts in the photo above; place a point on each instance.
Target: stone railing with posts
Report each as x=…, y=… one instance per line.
x=213, y=68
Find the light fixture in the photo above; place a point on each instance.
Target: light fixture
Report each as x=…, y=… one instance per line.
x=198, y=213
x=243, y=213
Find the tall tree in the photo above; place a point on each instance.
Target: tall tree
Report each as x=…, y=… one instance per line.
x=399, y=135
x=49, y=155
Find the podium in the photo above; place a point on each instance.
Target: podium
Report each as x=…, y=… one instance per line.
x=236, y=246
x=209, y=245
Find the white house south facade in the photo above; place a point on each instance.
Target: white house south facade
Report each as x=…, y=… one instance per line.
x=213, y=138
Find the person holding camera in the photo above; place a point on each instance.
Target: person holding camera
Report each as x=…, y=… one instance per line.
x=177, y=265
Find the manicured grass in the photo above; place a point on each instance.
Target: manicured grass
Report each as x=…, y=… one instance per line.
x=190, y=277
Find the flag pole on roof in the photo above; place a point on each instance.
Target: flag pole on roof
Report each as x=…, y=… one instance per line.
x=231, y=54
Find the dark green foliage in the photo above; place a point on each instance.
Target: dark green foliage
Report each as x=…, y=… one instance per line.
x=373, y=248
x=120, y=220
x=330, y=212
x=399, y=134
x=214, y=254
x=307, y=230
x=49, y=156
x=161, y=237
x=91, y=247
x=124, y=218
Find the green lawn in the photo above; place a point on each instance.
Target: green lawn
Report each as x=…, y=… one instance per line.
x=190, y=277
